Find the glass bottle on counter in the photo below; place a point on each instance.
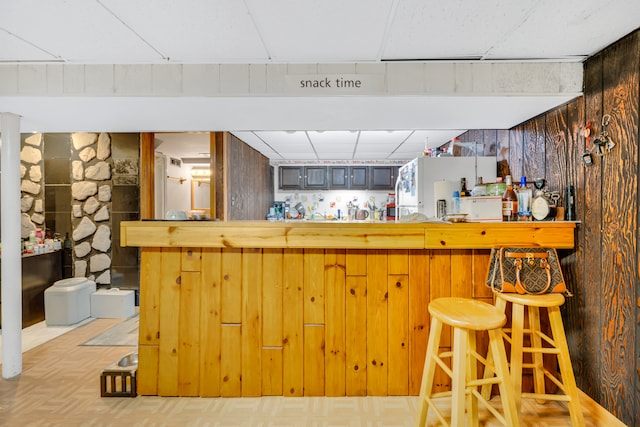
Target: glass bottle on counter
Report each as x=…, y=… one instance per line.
x=509, y=202
x=463, y=188
x=525, y=196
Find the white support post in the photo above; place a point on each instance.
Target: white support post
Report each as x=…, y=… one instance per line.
x=11, y=246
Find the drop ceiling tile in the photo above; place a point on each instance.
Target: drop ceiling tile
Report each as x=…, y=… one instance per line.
x=199, y=31
x=81, y=31
x=383, y=137
x=335, y=29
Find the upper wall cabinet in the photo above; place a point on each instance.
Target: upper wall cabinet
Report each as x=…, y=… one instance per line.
x=337, y=177
x=383, y=177
x=290, y=177
x=315, y=177
x=303, y=178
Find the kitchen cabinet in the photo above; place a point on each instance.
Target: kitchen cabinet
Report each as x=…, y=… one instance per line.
x=358, y=177
x=337, y=177
x=348, y=177
x=315, y=177
x=383, y=177
x=290, y=177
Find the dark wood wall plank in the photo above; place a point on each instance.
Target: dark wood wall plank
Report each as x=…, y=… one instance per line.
x=589, y=205
x=534, y=149
x=249, y=188
x=619, y=225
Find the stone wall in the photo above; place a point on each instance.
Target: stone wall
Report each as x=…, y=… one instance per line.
x=91, y=166
x=32, y=185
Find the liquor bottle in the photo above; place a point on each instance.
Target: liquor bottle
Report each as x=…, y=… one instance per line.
x=463, y=188
x=525, y=196
x=569, y=203
x=509, y=202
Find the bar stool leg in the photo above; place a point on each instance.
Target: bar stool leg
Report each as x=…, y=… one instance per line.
x=566, y=370
x=460, y=341
x=429, y=370
x=486, y=389
x=472, y=375
x=505, y=386
x=517, y=322
x=536, y=356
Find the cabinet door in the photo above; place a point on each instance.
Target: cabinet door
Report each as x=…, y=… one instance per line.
x=290, y=177
x=359, y=177
x=383, y=177
x=315, y=177
x=338, y=177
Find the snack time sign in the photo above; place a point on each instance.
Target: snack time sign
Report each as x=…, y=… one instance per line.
x=334, y=84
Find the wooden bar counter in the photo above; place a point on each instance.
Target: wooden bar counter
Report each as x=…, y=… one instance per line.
x=253, y=308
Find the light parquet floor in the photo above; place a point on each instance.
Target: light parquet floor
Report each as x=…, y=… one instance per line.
x=59, y=386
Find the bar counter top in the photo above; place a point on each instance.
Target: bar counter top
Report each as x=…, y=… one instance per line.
x=346, y=235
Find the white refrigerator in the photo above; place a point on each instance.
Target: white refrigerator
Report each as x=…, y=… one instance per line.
x=424, y=180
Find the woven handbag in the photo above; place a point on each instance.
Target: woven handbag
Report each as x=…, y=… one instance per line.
x=526, y=270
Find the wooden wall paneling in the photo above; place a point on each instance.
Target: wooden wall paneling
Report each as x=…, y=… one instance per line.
x=516, y=152
x=150, y=263
x=480, y=268
x=314, y=286
x=272, y=319
x=557, y=149
x=272, y=371
x=210, y=324
x=356, y=261
x=292, y=328
x=272, y=309
x=314, y=359
x=218, y=175
x=147, y=374
x=419, y=290
x=398, y=262
x=170, y=283
x=147, y=173
x=356, y=335
x=620, y=226
x=189, y=334
x=230, y=363
x=335, y=322
x=589, y=203
x=573, y=261
x=249, y=190
x=149, y=331
x=502, y=152
x=251, y=321
x=534, y=149
x=440, y=286
x=231, y=289
x=377, y=336
x=191, y=259
x=490, y=143
x=398, y=326
x=461, y=273
x=213, y=189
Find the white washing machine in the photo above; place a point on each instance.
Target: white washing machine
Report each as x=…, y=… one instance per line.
x=68, y=301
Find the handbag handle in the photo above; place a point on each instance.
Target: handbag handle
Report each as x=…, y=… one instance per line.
x=543, y=264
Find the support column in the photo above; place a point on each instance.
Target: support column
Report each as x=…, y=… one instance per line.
x=11, y=246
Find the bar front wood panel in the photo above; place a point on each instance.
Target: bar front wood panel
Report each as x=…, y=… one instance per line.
x=364, y=333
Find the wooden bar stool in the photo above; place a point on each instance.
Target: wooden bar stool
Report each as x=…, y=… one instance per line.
x=466, y=316
x=556, y=345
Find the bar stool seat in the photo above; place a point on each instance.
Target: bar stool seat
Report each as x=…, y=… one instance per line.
x=466, y=317
x=540, y=343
